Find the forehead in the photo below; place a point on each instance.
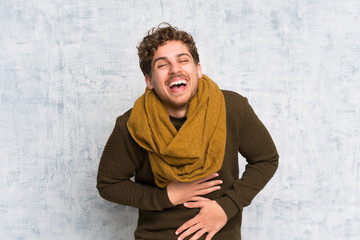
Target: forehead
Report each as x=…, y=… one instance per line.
x=171, y=49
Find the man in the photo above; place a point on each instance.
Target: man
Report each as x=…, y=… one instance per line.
x=181, y=142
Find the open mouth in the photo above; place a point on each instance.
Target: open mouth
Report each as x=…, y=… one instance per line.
x=178, y=84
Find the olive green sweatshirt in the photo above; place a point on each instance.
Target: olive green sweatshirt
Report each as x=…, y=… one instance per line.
x=123, y=159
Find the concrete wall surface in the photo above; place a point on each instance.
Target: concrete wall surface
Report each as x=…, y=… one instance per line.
x=68, y=68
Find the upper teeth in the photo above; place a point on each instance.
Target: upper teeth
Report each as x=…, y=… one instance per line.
x=177, y=83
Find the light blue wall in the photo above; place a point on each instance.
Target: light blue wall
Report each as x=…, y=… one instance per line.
x=68, y=68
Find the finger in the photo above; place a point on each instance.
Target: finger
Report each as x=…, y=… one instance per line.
x=210, y=236
x=207, y=190
x=211, y=183
x=199, y=204
x=208, y=184
x=198, y=234
x=190, y=231
x=214, y=175
x=198, y=198
x=186, y=225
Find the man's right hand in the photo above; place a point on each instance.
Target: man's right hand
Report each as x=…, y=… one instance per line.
x=181, y=192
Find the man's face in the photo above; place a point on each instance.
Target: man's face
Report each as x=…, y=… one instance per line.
x=174, y=77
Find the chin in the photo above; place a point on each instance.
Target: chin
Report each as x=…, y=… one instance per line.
x=185, y=99
x=180, y=104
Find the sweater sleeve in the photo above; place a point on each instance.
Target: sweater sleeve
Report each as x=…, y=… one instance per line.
x=120, y=160
x=258, y=148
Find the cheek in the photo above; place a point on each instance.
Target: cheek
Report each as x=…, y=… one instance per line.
x=195, y=71
x=157, y=83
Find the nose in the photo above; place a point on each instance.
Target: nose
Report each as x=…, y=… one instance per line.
x=174, y=68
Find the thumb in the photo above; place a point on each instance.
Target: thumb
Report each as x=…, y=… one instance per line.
x=198, y=199
x=198, y=204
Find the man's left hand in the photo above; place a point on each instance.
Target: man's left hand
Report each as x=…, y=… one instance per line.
x=210, y=219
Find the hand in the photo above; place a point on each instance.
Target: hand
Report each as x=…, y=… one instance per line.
x=210, y=219
x=180, y=192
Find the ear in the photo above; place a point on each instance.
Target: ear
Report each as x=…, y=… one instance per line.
x=199, y=72
x=148, y=82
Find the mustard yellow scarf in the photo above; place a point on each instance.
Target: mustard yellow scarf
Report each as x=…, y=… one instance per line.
x=197, y=149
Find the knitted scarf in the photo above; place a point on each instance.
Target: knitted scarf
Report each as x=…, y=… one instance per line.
x=197, y=149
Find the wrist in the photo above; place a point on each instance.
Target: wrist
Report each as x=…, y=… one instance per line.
x=171, y=196
x=228, y=205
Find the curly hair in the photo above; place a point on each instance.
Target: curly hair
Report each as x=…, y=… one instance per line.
x=157, y=36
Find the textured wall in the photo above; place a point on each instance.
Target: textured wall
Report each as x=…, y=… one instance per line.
x=69, y=67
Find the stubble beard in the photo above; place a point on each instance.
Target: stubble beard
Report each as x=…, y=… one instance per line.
x=183, y=103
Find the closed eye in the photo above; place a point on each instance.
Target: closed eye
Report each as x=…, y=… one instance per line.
x=162, y=65
x=184, y=61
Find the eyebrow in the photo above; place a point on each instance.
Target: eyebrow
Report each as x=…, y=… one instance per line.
x=164, y=58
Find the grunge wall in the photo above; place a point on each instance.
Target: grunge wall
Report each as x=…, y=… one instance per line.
x=68, y=68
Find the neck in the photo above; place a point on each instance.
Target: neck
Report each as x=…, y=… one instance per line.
x=178, y=113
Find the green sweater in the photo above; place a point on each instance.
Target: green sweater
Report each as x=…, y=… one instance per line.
x=123, y=158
